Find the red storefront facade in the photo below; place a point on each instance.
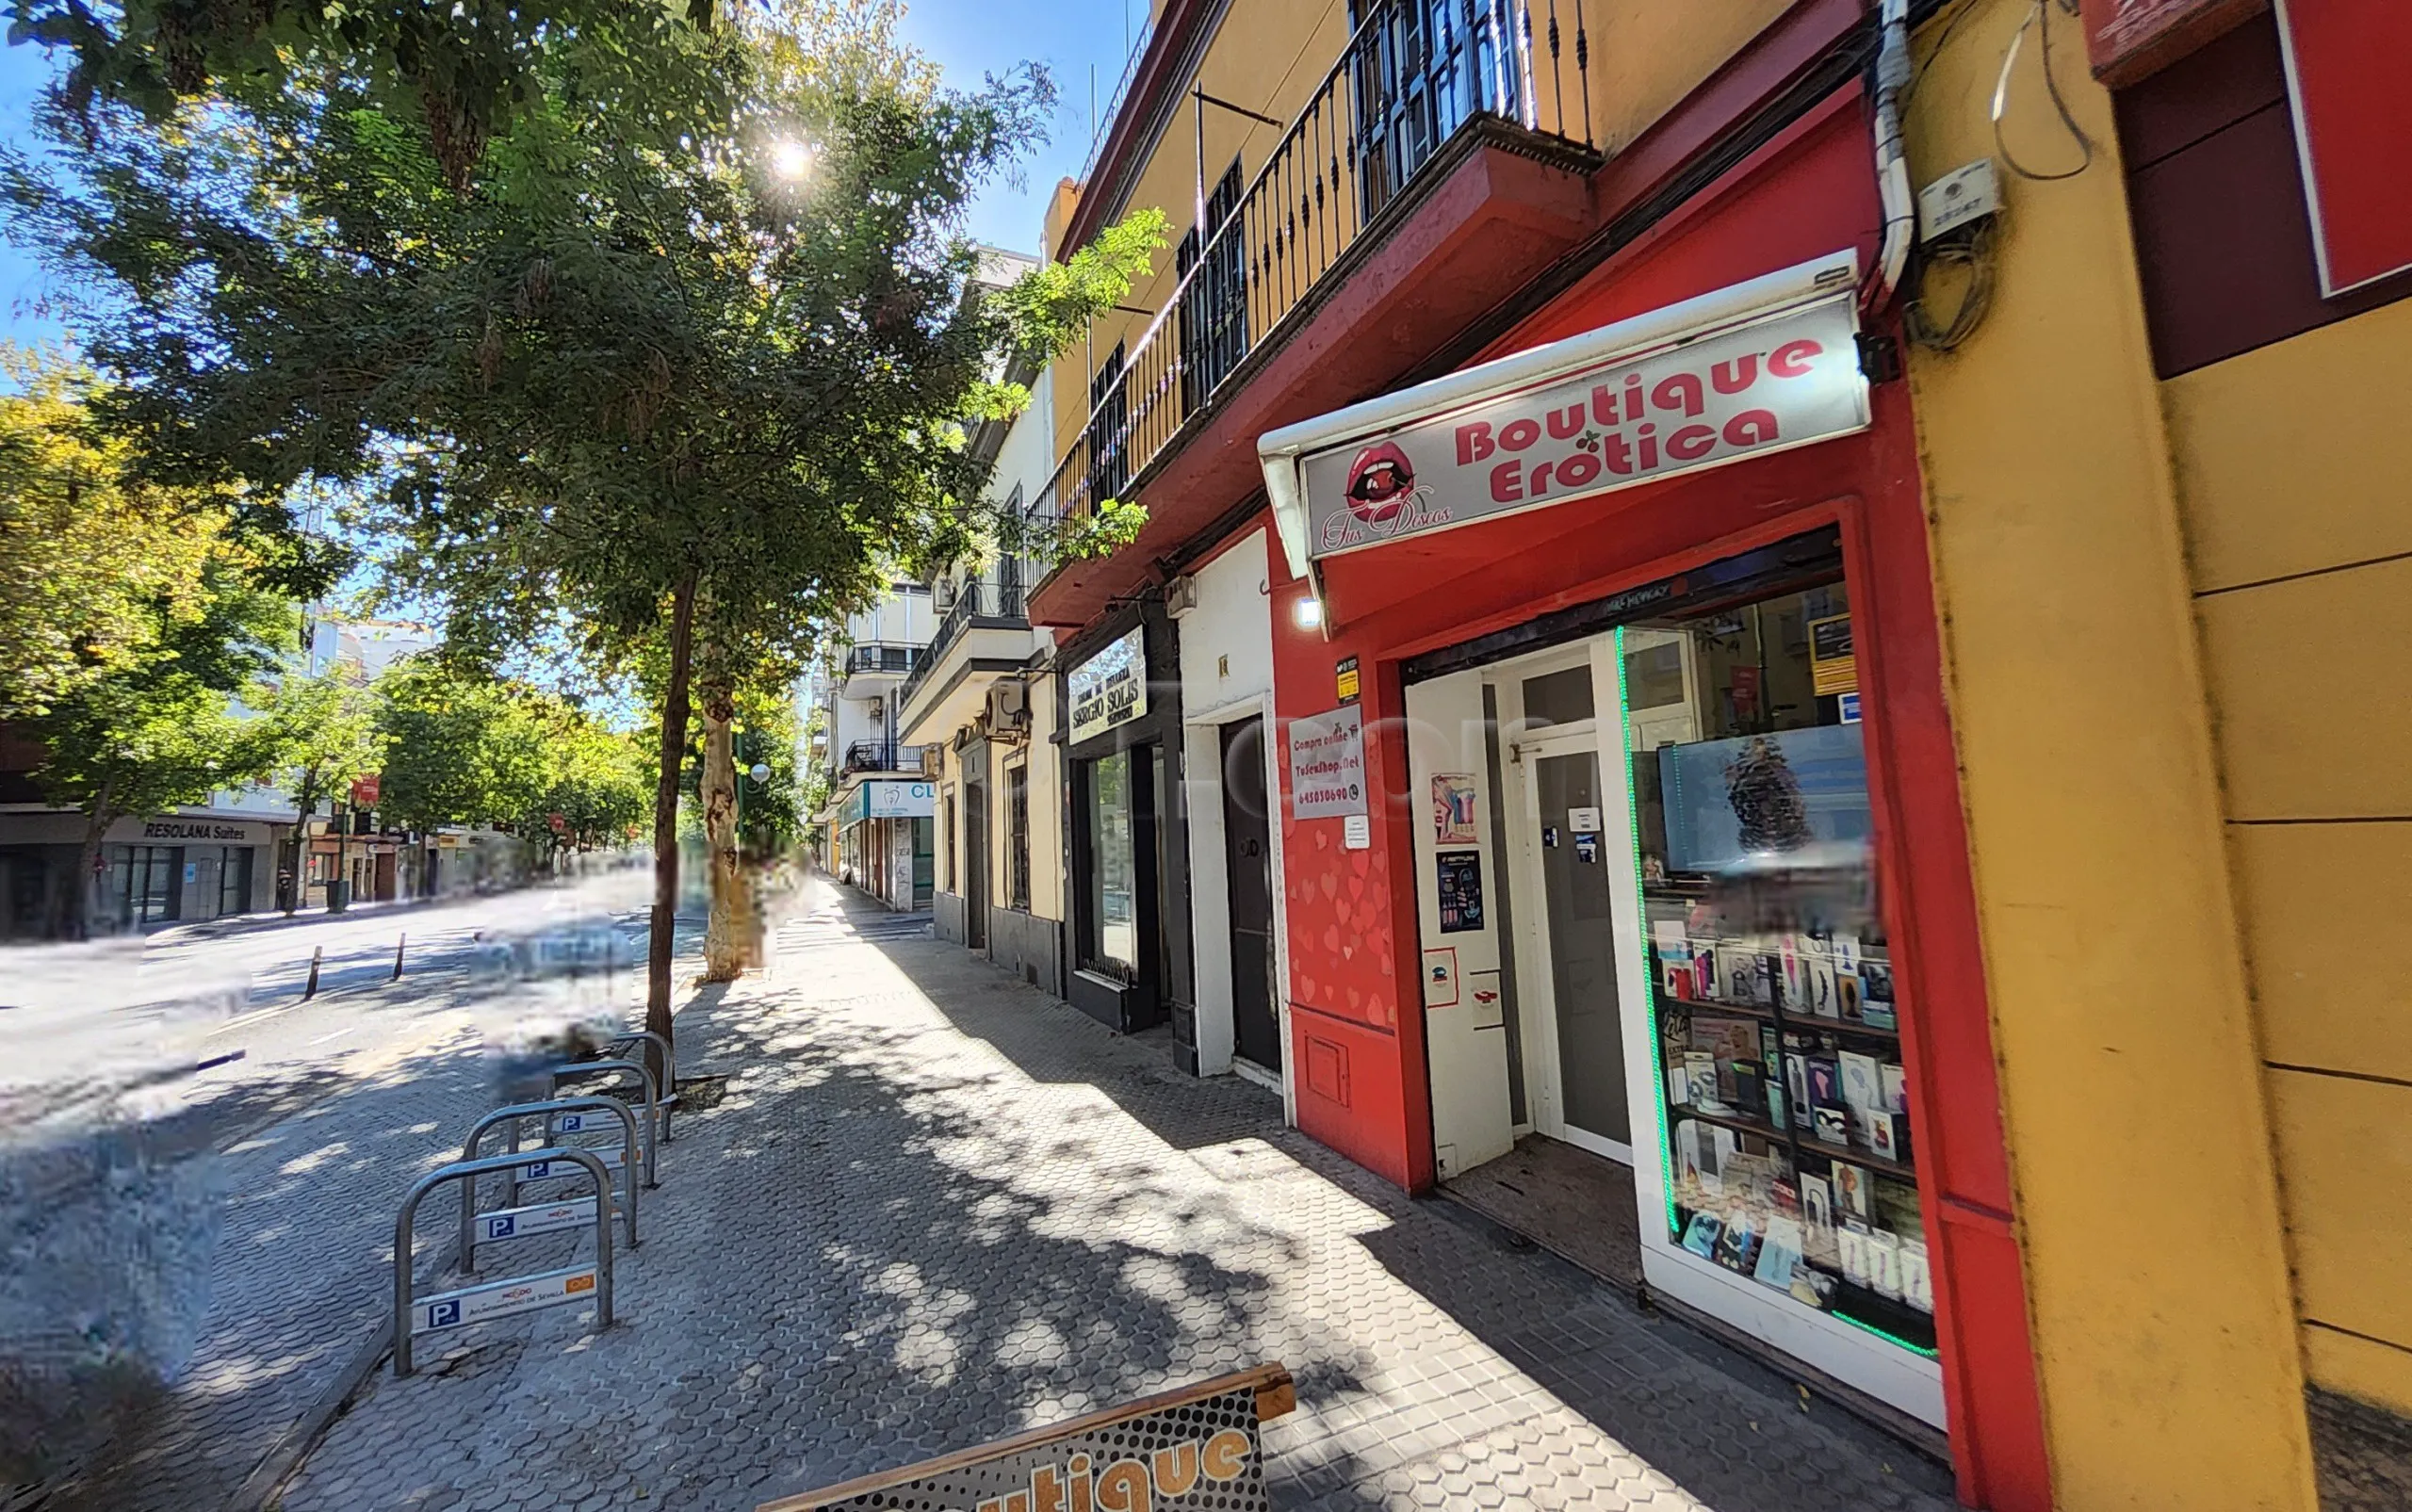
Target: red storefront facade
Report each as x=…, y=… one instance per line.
x=1358, y=931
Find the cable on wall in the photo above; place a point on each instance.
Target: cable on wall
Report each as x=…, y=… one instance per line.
x=2040, y=20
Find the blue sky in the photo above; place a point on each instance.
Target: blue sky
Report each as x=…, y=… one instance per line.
x=1074, y=39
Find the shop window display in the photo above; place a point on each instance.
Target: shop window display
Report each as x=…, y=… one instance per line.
x=1785, y=1133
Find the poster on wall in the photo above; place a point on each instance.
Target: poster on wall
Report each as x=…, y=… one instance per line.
x=1110, y=688
x=1459, y=888
x=1833, y=667
x=1327, y=764
x=1453, y=808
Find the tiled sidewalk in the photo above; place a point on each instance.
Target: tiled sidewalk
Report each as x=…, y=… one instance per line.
x=938, y=1206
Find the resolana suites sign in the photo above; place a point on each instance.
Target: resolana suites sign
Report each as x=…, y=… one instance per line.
x=1744, y=372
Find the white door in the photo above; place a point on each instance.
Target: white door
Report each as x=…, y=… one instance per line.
x=1458, y=882
x=1566, y=913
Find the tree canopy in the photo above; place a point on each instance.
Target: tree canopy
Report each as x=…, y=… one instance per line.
x=685, y=368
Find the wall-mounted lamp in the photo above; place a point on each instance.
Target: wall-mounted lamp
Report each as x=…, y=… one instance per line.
x=1306, y=611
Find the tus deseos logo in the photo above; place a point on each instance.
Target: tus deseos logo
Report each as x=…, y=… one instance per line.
x=1378, y=482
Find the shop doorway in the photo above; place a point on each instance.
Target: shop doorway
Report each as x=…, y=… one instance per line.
x=1248, y=848
x=975, y=849
x=1524, y=1019
x=1562, y=837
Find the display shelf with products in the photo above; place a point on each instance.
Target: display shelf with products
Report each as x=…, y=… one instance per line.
x=1785, y=1127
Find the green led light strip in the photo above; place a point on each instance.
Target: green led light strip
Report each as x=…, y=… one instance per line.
x=1649, y=961
x=1890, y=1339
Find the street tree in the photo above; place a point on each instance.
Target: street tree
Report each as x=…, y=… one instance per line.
x=687, y=366
x=462, y=748
x=93, y=565
x=159, y=731
x=459, y=70
x=314, y=734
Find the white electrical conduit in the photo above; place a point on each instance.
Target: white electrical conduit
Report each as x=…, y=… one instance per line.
x=1892, y=158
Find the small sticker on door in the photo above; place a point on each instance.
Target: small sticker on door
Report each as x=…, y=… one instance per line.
x=1583, y=821
x=1549, y=835
x=1587, y=849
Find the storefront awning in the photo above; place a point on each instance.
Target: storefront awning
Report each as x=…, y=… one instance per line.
x=1744, y=371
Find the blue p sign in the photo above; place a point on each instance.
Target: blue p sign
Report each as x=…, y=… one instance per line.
x=444, y=1314
x=536, y=1170
x=502, y=1228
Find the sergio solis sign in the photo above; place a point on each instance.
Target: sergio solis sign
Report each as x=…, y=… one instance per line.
x=1764, y=387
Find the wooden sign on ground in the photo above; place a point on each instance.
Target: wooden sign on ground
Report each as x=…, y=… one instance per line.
x=1194, y=1446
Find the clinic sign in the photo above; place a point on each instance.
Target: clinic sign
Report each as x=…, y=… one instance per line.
x=1110, y=688
x=896, y=799
x=1767, y=386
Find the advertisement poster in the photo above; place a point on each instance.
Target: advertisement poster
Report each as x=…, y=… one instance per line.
x=1453, y=808
x=1327, y=764
x=1460, y=890
x=1832, y=669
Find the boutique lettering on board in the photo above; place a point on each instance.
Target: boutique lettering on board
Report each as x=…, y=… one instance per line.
x=1760, y=387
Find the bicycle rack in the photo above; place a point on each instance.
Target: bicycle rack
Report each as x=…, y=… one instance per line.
x=669, y=1070
x=652, y=1103
x=415, y=1315
x=562, y=1116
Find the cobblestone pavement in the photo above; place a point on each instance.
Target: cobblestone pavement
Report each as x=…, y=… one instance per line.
x=936, y=1207
x=316, y=1160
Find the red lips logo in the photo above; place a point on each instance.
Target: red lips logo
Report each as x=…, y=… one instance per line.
x=1379, y=481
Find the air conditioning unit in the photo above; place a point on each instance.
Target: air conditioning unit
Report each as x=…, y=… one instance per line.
x=1180, y=595
x=1008, y=711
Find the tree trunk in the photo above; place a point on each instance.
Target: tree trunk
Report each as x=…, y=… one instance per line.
x=76, y=906
x=665, y=815
x=305, y=803
x=727, y=938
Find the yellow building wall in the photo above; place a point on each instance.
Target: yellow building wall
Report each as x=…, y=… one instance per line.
x=1269, y=56
x=1272, y=56
x=2135, y=1111
x=2295, y=478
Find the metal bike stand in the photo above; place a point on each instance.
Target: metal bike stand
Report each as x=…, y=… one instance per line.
x=669, y=1070
x=415, y=1315
x=562, y=1116
x=652, y=1102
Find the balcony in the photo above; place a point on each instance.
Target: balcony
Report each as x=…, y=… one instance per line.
x=881, y=755
x=869, y=671
x=1443, y=161
x=985, y=635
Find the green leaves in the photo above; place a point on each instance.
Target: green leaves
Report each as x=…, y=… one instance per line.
x=1045, y=311
x=465, y=748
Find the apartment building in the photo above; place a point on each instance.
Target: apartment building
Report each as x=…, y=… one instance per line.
x=1637, y=707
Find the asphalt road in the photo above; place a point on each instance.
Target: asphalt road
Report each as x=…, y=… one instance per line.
x=228, y=998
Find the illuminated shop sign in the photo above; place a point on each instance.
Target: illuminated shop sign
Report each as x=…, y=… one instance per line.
x=1744, y=372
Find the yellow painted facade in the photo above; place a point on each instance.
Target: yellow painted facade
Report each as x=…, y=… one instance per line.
x=1273, y=57
x=2295, y=483
x=2139, y=1123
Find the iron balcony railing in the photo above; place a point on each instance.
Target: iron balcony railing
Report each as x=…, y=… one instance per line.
x=896, y=659
x=1413, y=74
x=882, y=756
x=998, y=600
